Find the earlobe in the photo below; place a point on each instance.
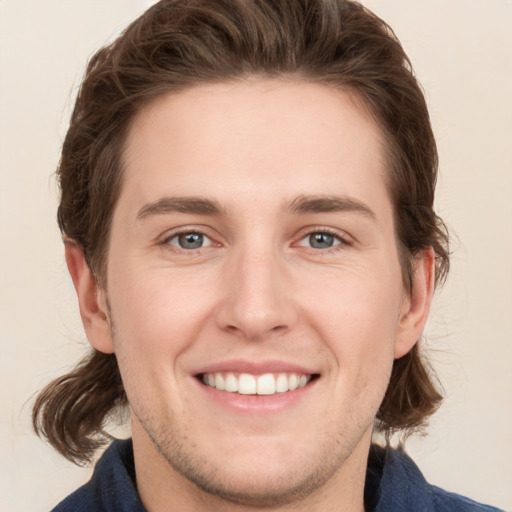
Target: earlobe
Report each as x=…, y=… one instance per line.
x=416, y=306
x=91, y=299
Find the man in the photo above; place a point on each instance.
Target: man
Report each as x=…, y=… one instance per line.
x=247, y=210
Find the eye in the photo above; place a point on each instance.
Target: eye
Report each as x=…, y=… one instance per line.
x=320, y=240
x=190, y=240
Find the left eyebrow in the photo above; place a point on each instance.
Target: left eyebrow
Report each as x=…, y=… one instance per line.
x=326, y=204
x=187, y=205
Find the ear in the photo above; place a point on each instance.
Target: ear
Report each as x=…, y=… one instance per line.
x=416, y=304
x=91, y=300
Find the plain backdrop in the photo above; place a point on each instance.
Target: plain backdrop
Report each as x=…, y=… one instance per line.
x=462, y=53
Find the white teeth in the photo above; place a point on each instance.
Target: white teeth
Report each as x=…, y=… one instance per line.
x=282, y=383
x=293, y=382
x=247, y=384
x=231, y=383
x=219, y=382
x=266, y=384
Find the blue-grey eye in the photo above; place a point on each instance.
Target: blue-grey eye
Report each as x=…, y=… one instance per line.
x=320, y=240
x=190, y=241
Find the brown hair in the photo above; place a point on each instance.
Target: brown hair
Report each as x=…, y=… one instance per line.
x=179, y=43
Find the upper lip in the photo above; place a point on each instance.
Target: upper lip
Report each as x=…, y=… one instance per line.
x=255, y=367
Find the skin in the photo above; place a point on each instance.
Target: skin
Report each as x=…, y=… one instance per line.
x=258, y=294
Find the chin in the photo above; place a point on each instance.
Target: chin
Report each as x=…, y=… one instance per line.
x=258, y=474
x=259, y=487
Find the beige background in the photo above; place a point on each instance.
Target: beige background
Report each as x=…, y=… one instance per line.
x=462, y=52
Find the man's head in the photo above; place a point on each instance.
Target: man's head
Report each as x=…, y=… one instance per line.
x=343, y=91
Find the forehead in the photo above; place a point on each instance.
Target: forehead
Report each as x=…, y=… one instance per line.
x=273, y=137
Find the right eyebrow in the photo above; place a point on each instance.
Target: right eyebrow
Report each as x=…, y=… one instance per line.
x=191, y=205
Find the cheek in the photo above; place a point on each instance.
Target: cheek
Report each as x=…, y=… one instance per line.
x=357, y=317
x=155, y=321
x=154, y=325
x=156, y=301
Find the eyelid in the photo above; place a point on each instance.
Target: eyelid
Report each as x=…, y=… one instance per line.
x=175, y=232
x=176, y=236
x=343, y=238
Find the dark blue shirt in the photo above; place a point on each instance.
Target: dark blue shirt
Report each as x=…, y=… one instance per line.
x=393, y=484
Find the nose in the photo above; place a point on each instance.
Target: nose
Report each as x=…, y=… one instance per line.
x=257, y=297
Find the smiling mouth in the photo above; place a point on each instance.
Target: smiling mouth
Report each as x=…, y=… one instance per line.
x=248, y=384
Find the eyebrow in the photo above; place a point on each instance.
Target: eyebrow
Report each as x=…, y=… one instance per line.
x=191, y=205
x=326, y=204
x=301, y=205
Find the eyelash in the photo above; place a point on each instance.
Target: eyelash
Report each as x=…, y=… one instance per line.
x=167, y=241
x=343, y=241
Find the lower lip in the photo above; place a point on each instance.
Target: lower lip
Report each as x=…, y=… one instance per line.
x=257, y=403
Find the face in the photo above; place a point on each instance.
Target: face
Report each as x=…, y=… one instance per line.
x=254, y=290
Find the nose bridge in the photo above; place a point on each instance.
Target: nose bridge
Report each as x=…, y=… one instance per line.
x=257, y=301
